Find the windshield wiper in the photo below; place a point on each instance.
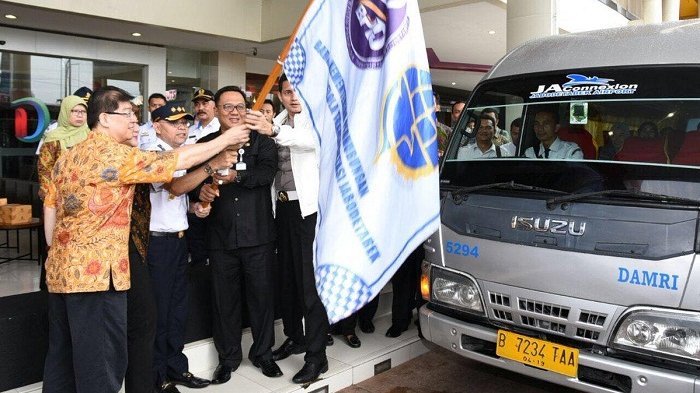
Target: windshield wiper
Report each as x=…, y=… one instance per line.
x=459, y=192
x=636, y=194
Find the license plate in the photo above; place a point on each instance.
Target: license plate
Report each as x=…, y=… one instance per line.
x=538, y=353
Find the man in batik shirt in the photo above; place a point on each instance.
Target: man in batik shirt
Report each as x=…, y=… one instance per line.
x=87, y=213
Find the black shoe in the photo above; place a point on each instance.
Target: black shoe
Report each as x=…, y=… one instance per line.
x=329, y=340
x=310, y=372
x=395, y=331
x=352, y=340
x=189, y=380
x=167, y=387
x=366, y=326
x=288, y=347
x=222, y=374
x=269, y=368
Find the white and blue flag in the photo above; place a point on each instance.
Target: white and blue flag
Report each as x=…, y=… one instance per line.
x=361, y=71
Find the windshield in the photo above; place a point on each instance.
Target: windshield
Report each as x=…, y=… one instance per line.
x=582, y=131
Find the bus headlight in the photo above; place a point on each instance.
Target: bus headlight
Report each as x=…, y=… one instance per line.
x=675, y=334
x=455, y=290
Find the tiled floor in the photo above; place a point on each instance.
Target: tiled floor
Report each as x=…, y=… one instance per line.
x=346, y=365
x=17, y=277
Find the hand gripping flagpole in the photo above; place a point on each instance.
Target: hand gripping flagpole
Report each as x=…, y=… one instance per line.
x=272, y=77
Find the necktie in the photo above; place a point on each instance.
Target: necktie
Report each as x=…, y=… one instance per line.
x=546, y=152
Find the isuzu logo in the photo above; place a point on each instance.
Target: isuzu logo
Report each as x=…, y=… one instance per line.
x=542, y=224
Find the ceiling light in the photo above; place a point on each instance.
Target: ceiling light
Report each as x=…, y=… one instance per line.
x=454, y=83
x=136, y=34
x=170, y=72
x=492, y=32
x=671, y=114
x=10, y=16
x=172, y=80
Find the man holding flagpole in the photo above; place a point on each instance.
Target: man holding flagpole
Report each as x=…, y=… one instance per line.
x=362, y=76
x=296, y=194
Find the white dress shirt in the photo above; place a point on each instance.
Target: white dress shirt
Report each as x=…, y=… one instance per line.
x=147, y=136
x=559, y=150
x=197, y=132
x=472, y=151
x=168, y=212
x=303, y=149
x=509, y=147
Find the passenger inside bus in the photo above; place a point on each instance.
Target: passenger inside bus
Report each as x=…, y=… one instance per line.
x=500, y=136
x=614, y=141
x=512, y=146
x=646, y=146
x=549, y=145
x=484, y=147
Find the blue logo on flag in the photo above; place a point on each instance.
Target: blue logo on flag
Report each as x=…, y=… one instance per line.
x=408, y=125
x=372, y=28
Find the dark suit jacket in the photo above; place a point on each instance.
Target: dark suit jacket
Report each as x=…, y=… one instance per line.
x=242, y=215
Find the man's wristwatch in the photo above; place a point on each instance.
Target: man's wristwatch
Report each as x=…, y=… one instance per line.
x=275, y=130
x=208, y=169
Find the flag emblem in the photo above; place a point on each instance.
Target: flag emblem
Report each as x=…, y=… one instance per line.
x=408, y=127
x=372, y=28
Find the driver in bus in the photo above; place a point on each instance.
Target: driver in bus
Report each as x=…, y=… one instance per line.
x=551, y=147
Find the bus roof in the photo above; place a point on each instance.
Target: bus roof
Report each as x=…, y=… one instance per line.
x=665, y=43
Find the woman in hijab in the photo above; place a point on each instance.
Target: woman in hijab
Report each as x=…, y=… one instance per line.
x=72, y=129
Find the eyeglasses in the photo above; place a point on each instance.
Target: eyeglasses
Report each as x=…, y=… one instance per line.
x=178, y=123
x=78, y=112
x=231, y=107
x=128, y=115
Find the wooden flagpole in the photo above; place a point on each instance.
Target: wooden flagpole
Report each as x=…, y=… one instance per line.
x=274, y=74
x=277, y=69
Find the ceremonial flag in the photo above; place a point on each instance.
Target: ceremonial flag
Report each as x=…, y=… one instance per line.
x=361, y=71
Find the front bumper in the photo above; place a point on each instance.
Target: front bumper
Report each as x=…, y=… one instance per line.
x=448, y=333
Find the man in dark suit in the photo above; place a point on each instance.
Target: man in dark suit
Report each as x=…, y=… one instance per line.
x=241, y=237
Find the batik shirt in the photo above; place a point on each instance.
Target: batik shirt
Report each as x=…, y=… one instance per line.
x=443, y=135
x=48, y=154
x=92, y=189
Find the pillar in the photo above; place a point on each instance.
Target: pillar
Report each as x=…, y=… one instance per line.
x=652, y=11
x=529, y=19
x=671, y=10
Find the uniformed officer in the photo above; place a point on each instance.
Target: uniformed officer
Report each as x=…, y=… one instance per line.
x=206, y=123
x=167, y=251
